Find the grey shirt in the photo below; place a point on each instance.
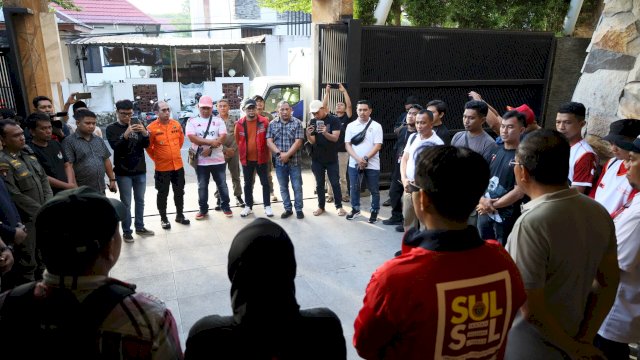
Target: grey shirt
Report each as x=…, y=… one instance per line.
x=557, y=243
x=88, y=159
x=483, y=144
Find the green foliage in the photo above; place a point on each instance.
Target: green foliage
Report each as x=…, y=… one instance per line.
x=287, y=5
x=540, y=15
x=65, y=4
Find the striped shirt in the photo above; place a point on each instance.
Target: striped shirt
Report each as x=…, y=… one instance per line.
x=88, y=159
x=140, y=324
x=284, y=135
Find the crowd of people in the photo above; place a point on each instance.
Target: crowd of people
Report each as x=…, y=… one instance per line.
x=520, y=247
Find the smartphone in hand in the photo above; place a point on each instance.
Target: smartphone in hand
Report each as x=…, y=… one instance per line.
x=83, y=95
x=319, y=123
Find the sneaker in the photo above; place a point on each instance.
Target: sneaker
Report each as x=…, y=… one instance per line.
x=268, y=211
x=246, y=211
x=144, y=232
x=201, y=216
x=286, y=214
x=342, y=212
x=165, y=224
x=387, y=202
x=329, y=199
x=400, y=228
x=354, y=214
x=127, y=237
x=182, y=220
x=239, y=201
x=228, y=213
x=392, y=221
x=374, y=217
x=299, y=214
x=274, y=198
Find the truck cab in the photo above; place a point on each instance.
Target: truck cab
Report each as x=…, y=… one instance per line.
x=277, y=88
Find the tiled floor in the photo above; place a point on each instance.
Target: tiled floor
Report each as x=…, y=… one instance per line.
x=186, y=266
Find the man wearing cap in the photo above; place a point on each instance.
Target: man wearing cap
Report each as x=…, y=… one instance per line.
x=207, y=134
x=251, y=138
x=622, y=325
x=128, y=140
x=165, y=141
x=284, y=137
x=78, y=260
x=613, y=189
x=323, y=132
x=29, y=187
x=582, y=162
x=260, y=111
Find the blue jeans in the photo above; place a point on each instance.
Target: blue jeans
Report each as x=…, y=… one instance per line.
x=373, y=178
x=333, y=173
x=284, y=172
x=137, y=184
x=218, y=172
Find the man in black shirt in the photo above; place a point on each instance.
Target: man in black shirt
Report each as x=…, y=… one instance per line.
x=343, y=112
x=498, y=209
x=439, y=108
x=128, y=138
x=323, y=133
x=50, y=154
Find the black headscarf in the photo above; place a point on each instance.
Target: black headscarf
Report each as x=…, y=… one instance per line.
x=262, y=269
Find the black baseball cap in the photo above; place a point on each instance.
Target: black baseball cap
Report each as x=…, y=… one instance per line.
x=635, y=146
x=76, y=224
x=248, y=103
x=623, y=132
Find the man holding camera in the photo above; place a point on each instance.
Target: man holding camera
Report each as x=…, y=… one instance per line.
x=128, y=138
x=323, y=133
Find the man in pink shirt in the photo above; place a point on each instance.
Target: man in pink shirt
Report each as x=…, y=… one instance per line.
x=207, y=133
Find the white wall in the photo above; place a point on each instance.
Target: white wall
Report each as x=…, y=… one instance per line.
x=277, y=52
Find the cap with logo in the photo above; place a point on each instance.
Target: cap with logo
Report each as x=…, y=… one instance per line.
x=623, y=132
x=76, y=224
x=205, y=101
x=526, y=110
x=315, y=106
x=249, y=103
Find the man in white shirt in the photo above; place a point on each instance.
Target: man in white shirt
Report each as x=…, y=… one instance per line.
x=207, y=133
x=424, y=136
x=622, y=324
x=612, y=189
x=364, y=159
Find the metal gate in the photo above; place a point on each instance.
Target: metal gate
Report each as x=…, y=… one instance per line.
x=386, y=64
x=7, y=97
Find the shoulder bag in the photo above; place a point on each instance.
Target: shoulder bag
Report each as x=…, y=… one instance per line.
x=359, y=137
x=195, y=153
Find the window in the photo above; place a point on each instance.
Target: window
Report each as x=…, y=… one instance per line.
x=93, y=64
x=289, y=93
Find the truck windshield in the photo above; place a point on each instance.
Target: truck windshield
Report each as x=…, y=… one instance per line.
x=277, y=93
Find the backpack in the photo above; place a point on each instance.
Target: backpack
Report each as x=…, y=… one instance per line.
x=58, y=325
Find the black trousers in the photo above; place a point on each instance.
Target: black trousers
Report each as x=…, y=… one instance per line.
x=163, y=179
x=612, y=350
x=395, y=193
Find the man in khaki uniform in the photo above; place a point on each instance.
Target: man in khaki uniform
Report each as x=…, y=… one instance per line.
x=230, y=150
x=29, y=188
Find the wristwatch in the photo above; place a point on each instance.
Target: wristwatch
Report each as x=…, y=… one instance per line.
x=365, y=158
x=278, y=153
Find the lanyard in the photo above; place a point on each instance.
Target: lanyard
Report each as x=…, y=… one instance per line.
x=625, y=205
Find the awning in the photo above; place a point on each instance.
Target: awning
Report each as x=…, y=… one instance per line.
x=183, y=42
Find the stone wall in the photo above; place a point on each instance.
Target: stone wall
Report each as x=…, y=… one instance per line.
x=610, y=83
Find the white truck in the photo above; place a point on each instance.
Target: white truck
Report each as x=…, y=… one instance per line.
x=274, y=89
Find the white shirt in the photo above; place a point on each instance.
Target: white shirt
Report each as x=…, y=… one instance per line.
x=197, y=126
x=412, y=146
x=622, y=324
x=374, y=136
x=613, y=189
x=582, y=164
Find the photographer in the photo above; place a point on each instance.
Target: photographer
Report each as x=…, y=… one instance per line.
x=60, y=129
x=128, y=138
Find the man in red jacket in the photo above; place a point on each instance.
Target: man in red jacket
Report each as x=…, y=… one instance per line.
x=449, y=294
x=251, y=137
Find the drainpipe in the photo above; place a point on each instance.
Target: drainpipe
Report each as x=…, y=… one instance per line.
x=382, y=11
x=572, y=17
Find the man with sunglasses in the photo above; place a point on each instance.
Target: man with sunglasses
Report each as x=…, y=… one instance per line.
x=128, y=139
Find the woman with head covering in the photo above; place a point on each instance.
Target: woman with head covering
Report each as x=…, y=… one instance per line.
x=267, y=322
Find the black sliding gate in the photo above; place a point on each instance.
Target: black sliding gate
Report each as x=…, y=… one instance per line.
x=385, y=65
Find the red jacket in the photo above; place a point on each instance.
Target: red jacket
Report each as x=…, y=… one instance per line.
x=261, y=139
x=453, y=296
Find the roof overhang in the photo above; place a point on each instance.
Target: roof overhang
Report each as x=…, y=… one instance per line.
x=180, y=42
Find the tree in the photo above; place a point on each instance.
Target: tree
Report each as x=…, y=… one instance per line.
x=65, y=4
x=287, y=5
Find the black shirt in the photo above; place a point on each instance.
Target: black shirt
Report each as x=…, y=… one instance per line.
x=52, y=159
x=502, y=178
x=443, y=133
x=128, y=154
x=344, y=121
x=326, y=151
